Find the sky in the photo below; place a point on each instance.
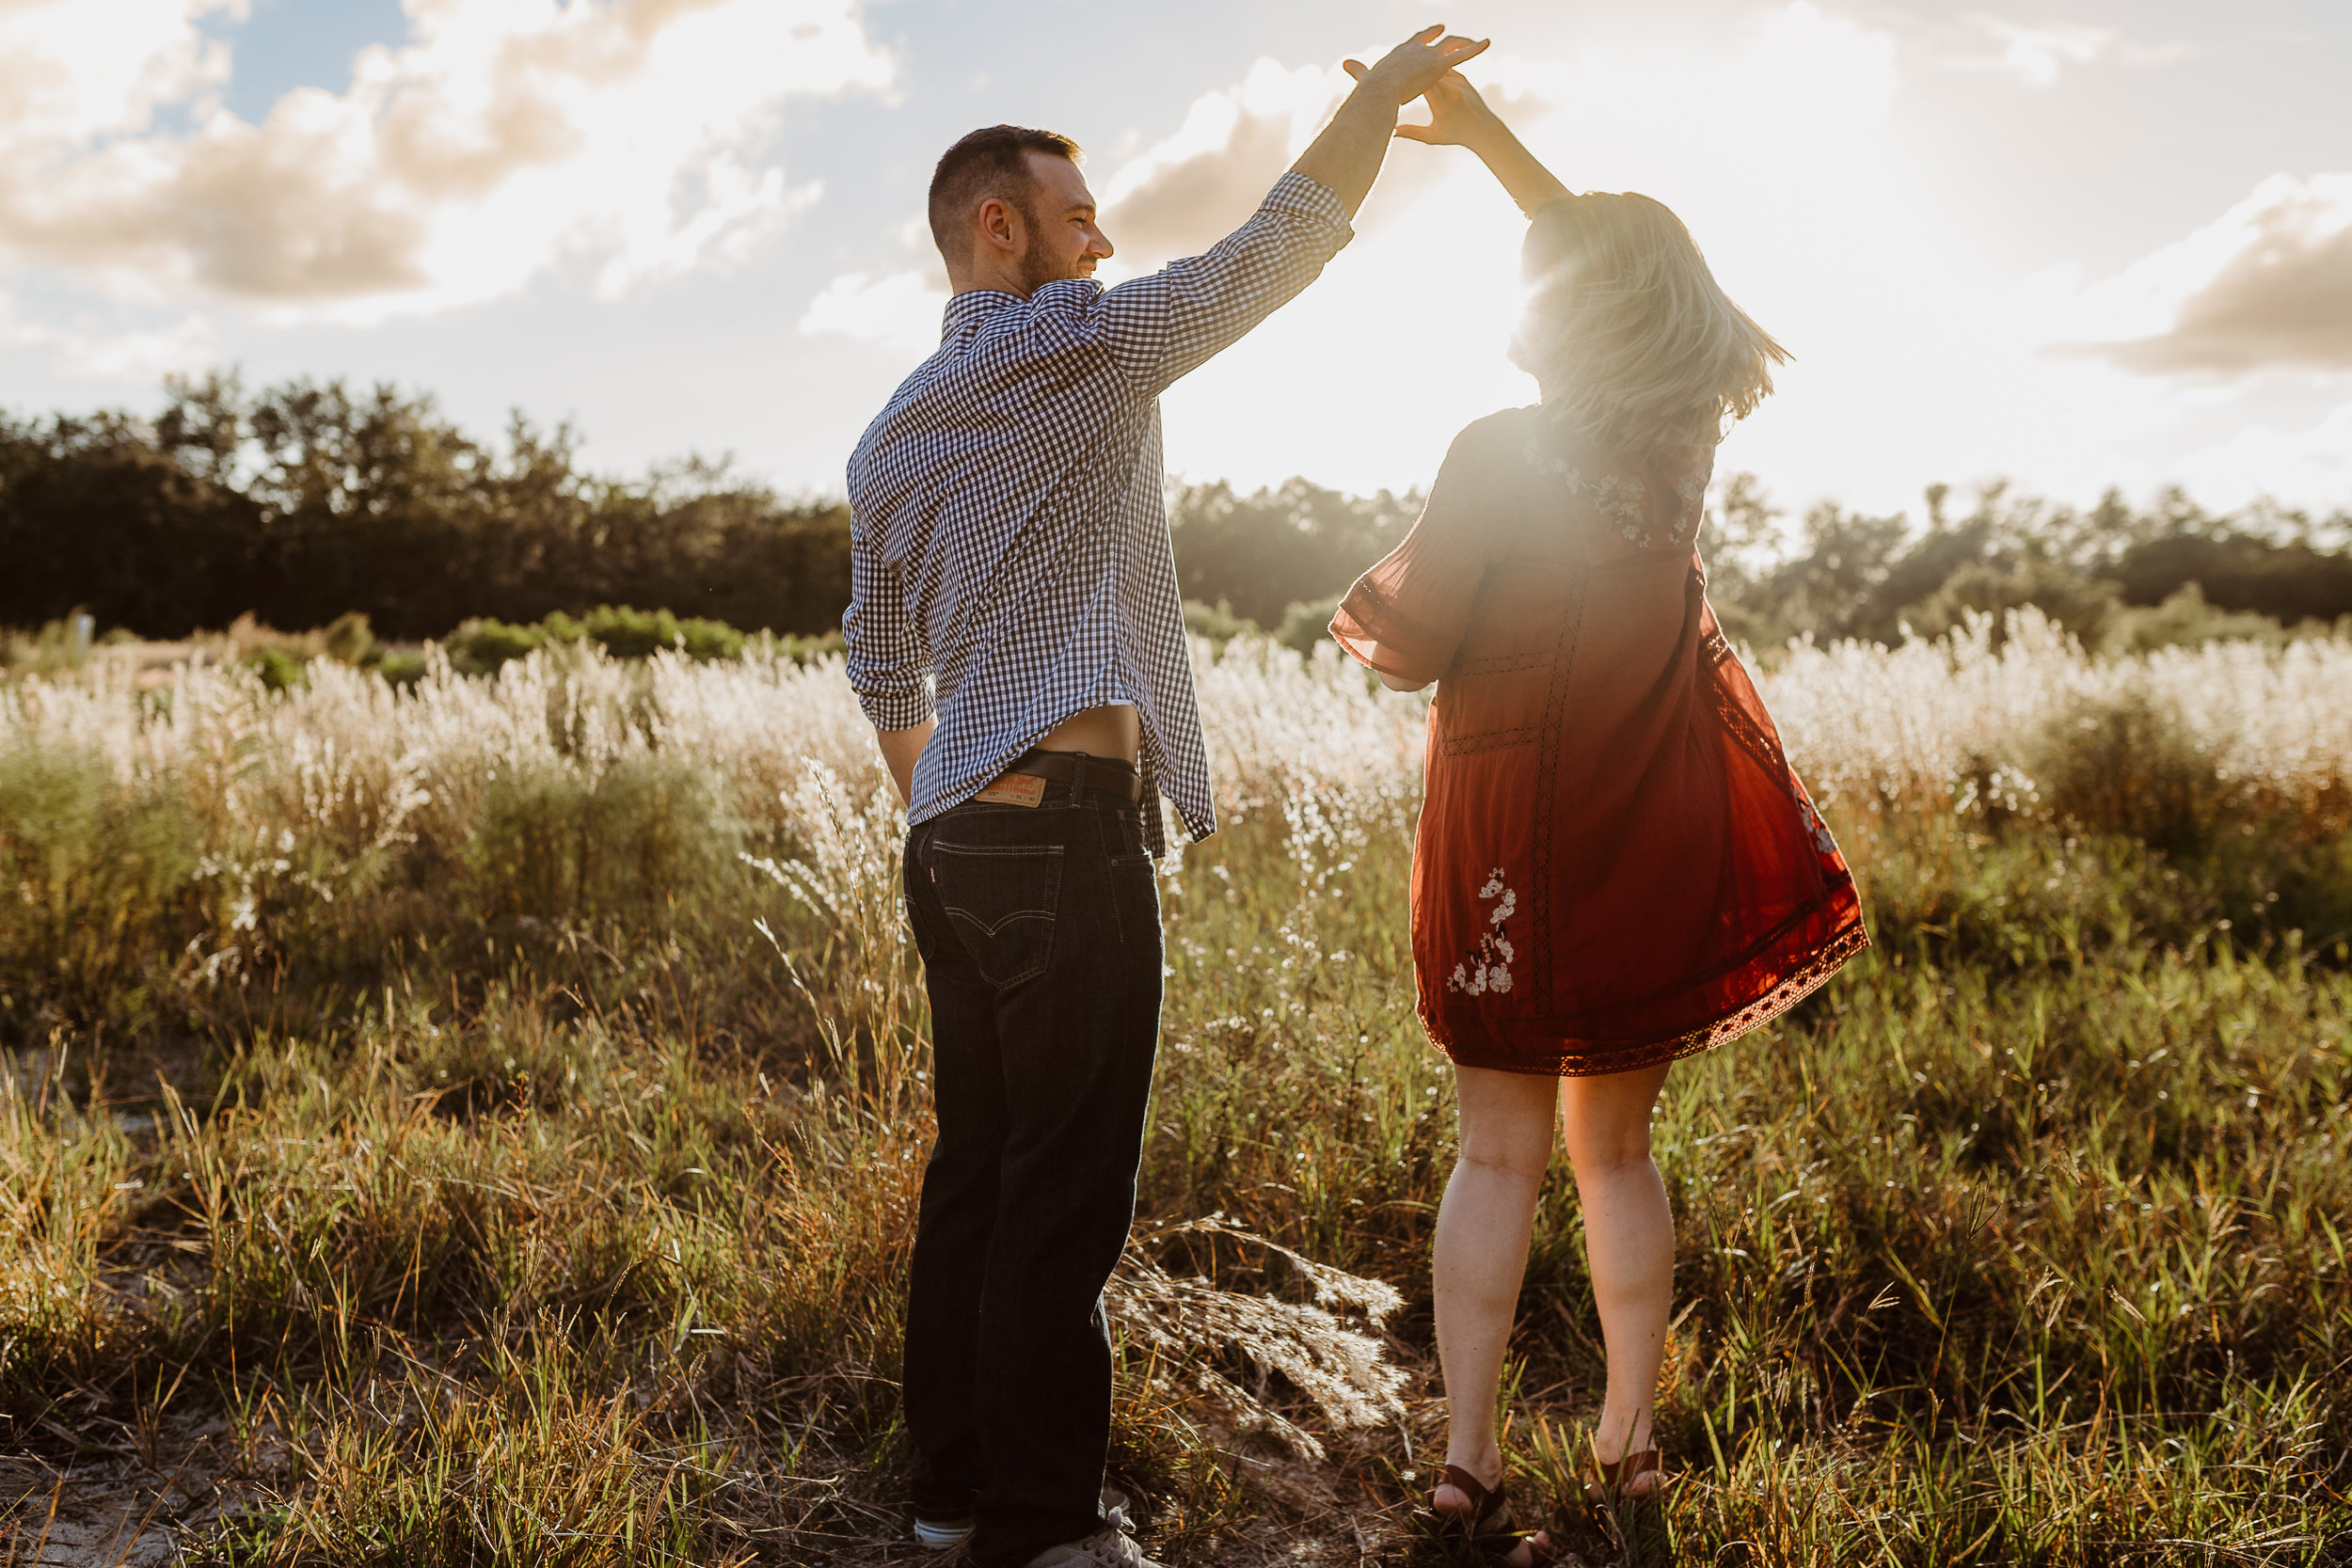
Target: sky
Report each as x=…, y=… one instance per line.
x=2072, y=243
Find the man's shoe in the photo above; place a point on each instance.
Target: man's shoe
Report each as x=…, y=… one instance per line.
x=1111, y=1546
x=942, y=1535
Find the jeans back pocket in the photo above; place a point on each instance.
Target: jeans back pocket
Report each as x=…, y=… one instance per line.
x=1001, y=899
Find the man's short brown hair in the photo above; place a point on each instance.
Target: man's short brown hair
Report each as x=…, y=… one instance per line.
x=988, y=163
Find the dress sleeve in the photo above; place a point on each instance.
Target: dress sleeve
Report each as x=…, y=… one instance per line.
x=1408, y=615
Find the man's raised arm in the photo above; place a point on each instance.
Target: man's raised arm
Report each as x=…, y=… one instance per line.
x=1345, y=158
x=1160, y=326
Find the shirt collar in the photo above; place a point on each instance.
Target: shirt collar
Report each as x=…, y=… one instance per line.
x=972, y=305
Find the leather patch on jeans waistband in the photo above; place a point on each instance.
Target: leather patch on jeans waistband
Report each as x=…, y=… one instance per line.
x=1014, y=789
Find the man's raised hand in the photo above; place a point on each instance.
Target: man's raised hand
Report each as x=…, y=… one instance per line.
x=1348, y=153
x=1409, y=69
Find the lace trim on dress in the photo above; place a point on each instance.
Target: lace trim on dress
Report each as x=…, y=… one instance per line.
x=1588, y=1059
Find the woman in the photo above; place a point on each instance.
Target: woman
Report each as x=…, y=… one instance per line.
x=1616, y=866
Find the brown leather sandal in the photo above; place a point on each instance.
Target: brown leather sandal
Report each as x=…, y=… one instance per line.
x=1608, y=1482
x=1487, y=1528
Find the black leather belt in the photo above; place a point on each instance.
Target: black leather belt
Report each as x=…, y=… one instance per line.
x=1103, y=775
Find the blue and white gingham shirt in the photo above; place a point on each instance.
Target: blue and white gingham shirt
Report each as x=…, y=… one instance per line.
x=1010, y=560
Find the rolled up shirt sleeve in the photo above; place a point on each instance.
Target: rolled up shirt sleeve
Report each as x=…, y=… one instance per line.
x=1165, y=323
x=889, y=668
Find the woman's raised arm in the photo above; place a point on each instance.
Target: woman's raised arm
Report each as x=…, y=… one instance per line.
x=1459, y=118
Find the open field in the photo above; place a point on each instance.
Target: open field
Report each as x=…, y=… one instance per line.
x=482, y=1123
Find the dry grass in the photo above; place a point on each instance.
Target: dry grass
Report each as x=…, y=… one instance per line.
x=482, y=1125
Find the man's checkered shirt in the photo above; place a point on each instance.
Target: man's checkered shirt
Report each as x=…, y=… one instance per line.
x=1009, y=559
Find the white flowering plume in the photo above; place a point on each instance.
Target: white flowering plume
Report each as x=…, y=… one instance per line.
x=309, y=794
x=1181, y=1325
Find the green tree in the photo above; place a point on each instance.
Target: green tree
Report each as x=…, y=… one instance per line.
x=1259, y=554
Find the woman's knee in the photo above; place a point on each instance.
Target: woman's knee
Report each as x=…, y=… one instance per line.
x=1516, y=1146
x=1520, y=1163
x=1598, y=1152
x=1605, y=1122
x=1506, y=1123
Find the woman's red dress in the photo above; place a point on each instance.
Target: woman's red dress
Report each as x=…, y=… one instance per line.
x=1615, y=866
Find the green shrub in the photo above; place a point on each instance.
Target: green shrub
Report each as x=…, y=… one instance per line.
x=704, y=640
x=349, y=640
x=401, y=667
x=1308, y=623
x=627, y=633
x=1217, y=622
x=479, y=647
x=278, y=668
x=2131, y=767
x=58, y=645
x=97, y=877
x=2086, y=606
x=2184, y=620
x=799, y=650
x=554, y=842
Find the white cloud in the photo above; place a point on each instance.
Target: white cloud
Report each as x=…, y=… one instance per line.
x=2038, y=56
x=1177, y=195
x=510, y=136
x=899, y=311
x=1184, y=193
x=2306, y=466
x=137, y=357
x=1915, y=362
x=2268, y=284
x=71, y=71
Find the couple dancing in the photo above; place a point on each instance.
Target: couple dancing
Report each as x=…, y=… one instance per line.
x=1614, y=867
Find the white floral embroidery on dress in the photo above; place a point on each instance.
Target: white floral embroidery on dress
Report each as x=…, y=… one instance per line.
x=1550, y=464
x=1823, y=842
x=1495, y=953
x=1622, y=500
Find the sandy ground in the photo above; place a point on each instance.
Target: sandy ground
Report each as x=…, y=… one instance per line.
x=104, y=1510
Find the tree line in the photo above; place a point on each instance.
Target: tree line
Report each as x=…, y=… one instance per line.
x=304, y=501
x=2103, y=572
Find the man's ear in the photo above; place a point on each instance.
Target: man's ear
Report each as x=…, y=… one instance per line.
x=1000, y=226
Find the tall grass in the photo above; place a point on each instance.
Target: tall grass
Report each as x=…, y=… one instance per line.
x=482, y=1124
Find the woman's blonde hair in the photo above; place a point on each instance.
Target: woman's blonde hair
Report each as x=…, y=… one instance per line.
x=1628, y=335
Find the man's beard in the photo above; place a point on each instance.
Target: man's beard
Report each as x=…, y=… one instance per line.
x=1038, y=268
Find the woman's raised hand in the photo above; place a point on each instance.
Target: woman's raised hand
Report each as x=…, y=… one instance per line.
x=1345, y=156
x=1459, y=118
x=1457, y=115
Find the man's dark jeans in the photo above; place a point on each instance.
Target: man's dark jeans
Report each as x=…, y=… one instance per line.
x=1039, y=930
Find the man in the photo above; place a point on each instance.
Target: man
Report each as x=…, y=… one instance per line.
x=1016, y=636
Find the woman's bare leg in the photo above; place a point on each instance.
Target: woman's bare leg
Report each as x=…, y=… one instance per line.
x=1480, y=1255
x=1629, y=1240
